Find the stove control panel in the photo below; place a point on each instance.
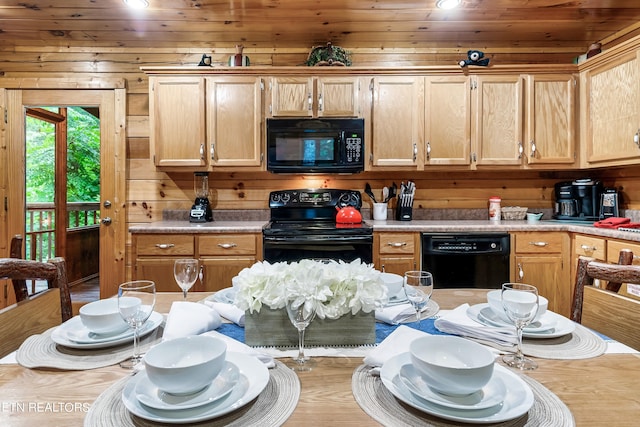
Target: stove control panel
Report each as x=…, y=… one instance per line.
x=311, y=198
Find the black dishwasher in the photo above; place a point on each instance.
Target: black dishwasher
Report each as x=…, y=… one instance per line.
x=466, y=260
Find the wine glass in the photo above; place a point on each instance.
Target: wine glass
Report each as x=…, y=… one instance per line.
x=135, y=303
x=520, y=303
x=418, y=286
x=185, y=272
x=301, y=313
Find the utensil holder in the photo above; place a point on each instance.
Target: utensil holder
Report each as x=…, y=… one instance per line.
x=404, y=213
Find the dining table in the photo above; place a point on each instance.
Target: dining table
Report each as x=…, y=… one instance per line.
x=599, y=391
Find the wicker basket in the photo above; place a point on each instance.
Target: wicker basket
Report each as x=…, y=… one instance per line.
x=514, y=213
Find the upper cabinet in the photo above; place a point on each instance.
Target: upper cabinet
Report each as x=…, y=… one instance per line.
x=397, y=121
x=447, y=117
x=206, y=122
x=610, y=110
x=177, y=121
x=314, y=97
x=496, y=125
x=550, y=119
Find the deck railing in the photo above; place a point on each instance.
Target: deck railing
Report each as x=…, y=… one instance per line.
x=41, y=226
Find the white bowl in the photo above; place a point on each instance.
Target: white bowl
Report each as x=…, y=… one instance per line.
x=103, y=317
x=495, y=302
x=393, y=282
x=185, y=365
x=452, y=365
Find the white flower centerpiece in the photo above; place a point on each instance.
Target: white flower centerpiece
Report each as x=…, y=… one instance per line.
x=345, y=295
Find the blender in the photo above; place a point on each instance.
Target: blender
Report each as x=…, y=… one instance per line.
x=201, y=209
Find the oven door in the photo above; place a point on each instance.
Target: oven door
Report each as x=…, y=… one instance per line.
x=295, y=248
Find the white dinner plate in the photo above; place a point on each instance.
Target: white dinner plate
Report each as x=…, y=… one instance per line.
x=226, y=295
x=490, y=395
x=561, y=325
x=399, y=298
x=73, y=328
x=517, y=402
x=253, y=378
x=222, y=384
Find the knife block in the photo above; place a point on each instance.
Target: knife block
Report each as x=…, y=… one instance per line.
x=404, y=213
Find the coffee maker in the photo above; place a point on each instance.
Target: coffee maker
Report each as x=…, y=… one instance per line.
x=201, y=209
x=578, y=200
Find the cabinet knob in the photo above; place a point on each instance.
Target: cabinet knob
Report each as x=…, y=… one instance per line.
x=533, y=149
x=428, y=150
x=415, y=152
x=520, y=272
x=520, y=149
x=164, y=245
x=396, y=244
x=588, y=248
x=227, y=245
x=539, y=244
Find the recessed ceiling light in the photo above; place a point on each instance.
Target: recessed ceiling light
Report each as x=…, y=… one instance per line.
x=137, y=4
x=447, y=4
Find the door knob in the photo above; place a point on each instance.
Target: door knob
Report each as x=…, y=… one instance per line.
x=106, y=220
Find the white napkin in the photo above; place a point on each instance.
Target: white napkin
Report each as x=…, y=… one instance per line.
x=238, y=347
x=396, y=343
x=396, y=314
x=190, y=318
x=228, y=311
x=457, y=322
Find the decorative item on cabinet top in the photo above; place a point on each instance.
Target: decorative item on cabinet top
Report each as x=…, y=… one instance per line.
x=328, y=55
x=238, y=59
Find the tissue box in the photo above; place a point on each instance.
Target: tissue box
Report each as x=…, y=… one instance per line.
x=273, y=328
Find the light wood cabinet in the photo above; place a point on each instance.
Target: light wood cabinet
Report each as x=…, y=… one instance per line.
x=396, y=252
x=234, y=119
x=154, y=255
x=586, y=246
x=397, y=121
x=539, y=259
x=177, y=121
x=497, y=123
x=314, y=97
x=222, y=256
x=611, y=111
x=550, y=120
x=613, y=253
x=206, y=122
x=447, y=120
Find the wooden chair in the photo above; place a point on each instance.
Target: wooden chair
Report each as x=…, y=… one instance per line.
x=19, y=286
x=54, y=272
x=34, y=315
x=606, y=311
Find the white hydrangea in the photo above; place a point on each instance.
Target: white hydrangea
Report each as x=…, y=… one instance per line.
x=334, y=287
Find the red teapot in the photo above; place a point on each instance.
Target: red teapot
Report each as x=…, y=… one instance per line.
x=348, y=215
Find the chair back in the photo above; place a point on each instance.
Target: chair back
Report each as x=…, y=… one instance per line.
x=19, y=286
x=34, y=315
x=605, y=311
x=54, y=272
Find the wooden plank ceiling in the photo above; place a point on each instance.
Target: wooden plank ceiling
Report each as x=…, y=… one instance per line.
x=542, y=26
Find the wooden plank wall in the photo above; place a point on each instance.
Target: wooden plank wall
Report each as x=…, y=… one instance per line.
x=151, y=191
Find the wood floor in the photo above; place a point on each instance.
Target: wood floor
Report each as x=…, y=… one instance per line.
x=81, y=293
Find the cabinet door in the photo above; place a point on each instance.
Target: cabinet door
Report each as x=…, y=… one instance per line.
x=218, y=272
x=160, y=271
x=397, y=120
x=291, y=96
x=497, y=120
x=447, y=120
x=613, y=111
x=177, y=121
x=234, y=115
x=545, y=273
x=550, y=119
x=338, y=97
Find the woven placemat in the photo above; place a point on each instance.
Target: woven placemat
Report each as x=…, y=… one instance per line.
x=580, y=344
x=271, y=408
x=378, y=402
x=39, y=351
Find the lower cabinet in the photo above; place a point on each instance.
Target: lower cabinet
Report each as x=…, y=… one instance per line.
x=538, y=259
x=221, y=256
x=396, y=252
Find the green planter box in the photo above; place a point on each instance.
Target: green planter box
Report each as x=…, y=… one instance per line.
x=272, y=328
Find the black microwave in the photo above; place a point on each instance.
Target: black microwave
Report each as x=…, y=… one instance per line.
x=315, y=145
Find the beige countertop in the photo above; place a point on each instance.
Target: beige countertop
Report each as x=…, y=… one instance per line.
x=434, y=226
